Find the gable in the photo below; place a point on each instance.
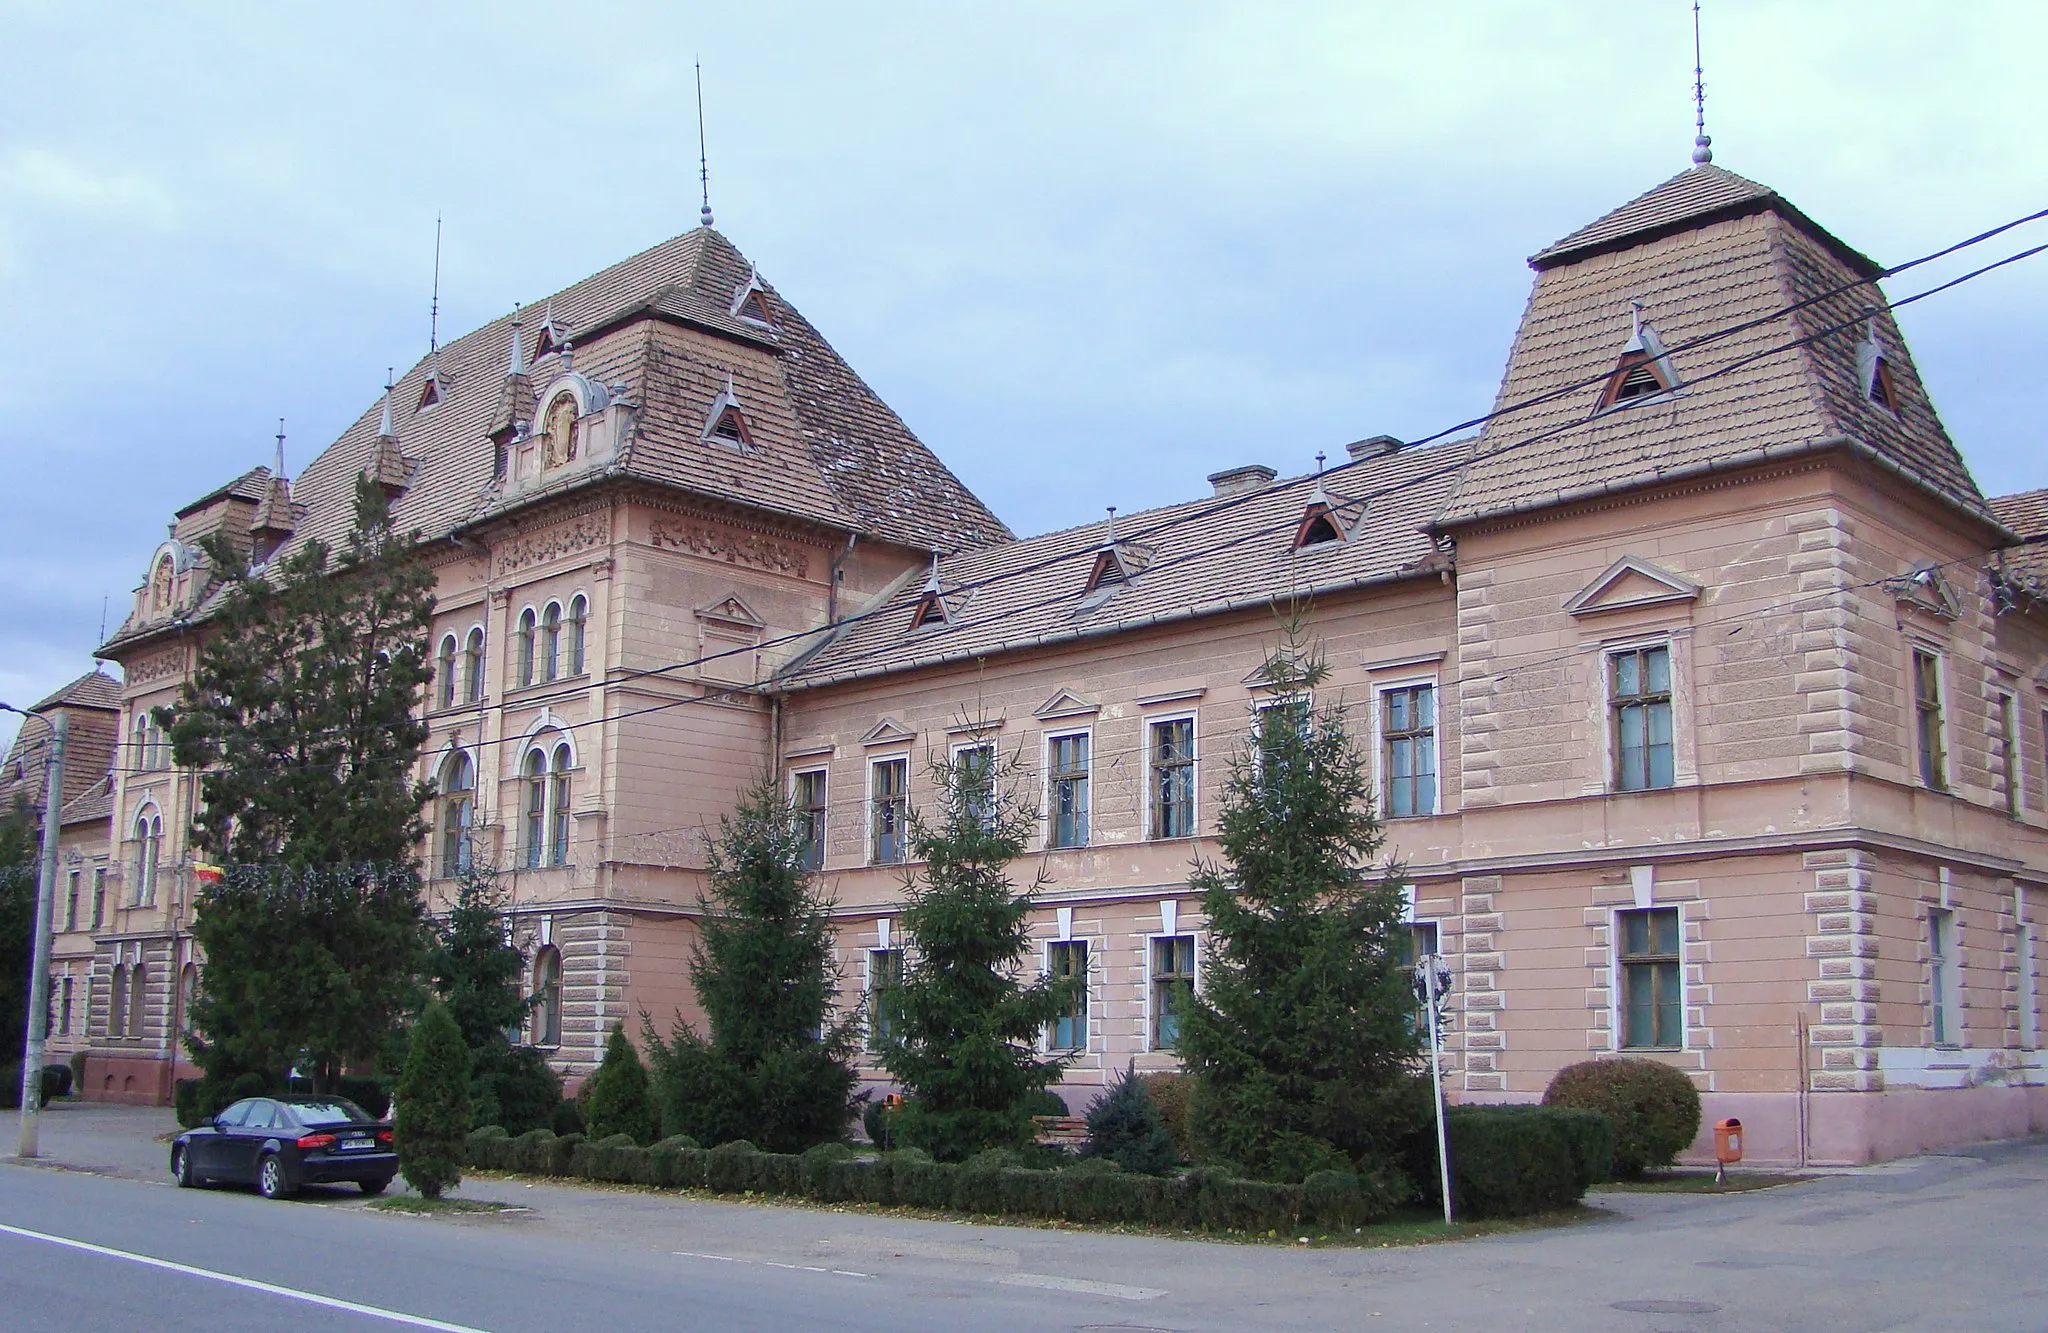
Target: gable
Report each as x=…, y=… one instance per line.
x=888, y=732
x=1629, y=583
x=1066, y=703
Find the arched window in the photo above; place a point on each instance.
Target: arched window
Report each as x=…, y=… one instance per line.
x=525, y=673
x=458, y=812
x=138, y=735
x=536, y=774
x=579, y=616
x=149, y=838
x=473, y=666
x=547, y=994
x=551, y=641
x=188, y=991
x=117, y=1002
x=138, y=983
x=558, y=832
x=161, y=584
x=444, y=670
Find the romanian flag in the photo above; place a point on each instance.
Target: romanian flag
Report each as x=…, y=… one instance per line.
x=205, y=873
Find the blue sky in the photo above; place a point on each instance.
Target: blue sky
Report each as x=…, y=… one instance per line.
x=1090, y=252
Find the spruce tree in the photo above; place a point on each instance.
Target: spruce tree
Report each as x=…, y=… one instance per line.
x=965, y=1030
x=1303, y=1039
x=430, y=1114
x=477, y=970
x=776, y=1066
x=18, y=872
x=619, y=1100
x=300, y=719
x=1125, y=1126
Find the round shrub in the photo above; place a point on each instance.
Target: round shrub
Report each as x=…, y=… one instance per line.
x=566, y=1118
x=1169, y=1093
x=878, y=1119
x=1654, y=1108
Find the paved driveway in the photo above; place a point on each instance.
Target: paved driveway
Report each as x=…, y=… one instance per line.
x=1952, y=1241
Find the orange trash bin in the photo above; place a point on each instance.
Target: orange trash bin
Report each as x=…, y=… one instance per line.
x=1727, y=1146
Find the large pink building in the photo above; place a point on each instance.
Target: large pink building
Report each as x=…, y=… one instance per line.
x=1705, y=692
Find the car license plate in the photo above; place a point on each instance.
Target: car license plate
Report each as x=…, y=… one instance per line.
x=348, y=1145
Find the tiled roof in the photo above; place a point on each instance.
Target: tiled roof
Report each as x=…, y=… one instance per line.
x=91, y=690
x=1730, y=269
x=95, y=804
x=90, y=752
x=1197, y=558
x=252, y=485
x=1692, y=197
x=827, y=450
x=2027, y=515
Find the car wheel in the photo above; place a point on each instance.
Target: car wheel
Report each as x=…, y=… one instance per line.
x=270, y=1179
x=377, y=1186
x=181, y=1168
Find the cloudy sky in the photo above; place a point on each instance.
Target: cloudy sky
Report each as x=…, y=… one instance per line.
x=1091, y=252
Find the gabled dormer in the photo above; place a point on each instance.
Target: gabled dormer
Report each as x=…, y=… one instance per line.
x=1874, y=373
x=550, y=339
x=726, y=421
x=931, y=610
x=1644, y=370
x=1324, y=521
x=750, y=301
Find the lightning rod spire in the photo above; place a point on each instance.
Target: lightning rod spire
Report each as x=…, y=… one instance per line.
x=434, y=310
x=1702, y=144
x=703, y=157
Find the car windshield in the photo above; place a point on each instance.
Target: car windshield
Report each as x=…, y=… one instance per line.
x=333, y=1111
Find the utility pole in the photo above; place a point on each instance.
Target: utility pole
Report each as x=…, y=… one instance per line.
x=39, y=954
x=1432, y=981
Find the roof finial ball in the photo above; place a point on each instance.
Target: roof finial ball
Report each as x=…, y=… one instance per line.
x=1703, y=143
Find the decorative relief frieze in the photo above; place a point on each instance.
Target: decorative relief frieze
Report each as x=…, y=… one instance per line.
x=156, y=666
x=552, y=544
x=735, y=548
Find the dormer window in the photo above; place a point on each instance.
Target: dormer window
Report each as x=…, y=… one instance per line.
x=1318, y=525
x=550, y=337
x=931, y=610
x=1874, y=373
x=725, y=422
x=430, y=392
x=1109, y=572
x=753, y=307
x=1644, y=371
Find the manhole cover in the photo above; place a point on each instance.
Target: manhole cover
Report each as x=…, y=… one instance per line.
x=1666, y=1307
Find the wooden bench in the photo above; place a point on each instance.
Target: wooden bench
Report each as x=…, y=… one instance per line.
x=1061, y=1131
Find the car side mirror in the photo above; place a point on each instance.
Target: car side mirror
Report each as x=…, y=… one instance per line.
x=220, y=1122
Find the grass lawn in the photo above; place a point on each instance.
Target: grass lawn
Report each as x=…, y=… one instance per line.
x=413, y=1204
x=1700, y=1182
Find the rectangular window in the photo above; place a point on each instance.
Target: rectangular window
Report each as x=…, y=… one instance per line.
x=885, y=982
x=807, y=797
x=1408, y=737
x=1652, y=1000
x=2030, y=986
x=1927, y=728
x=888, y=794
x=536, y=809
x=1069, y=794
x=99, y=897
x=974, y=770
x=558, y=830
x=2009, y=754
x=64, y=1011
x=1277, y=722
x=1944, y=992
x=1173, y=778
x=1639, y=700
x=71, y=900
x=1173, y=987
x=1067, y=960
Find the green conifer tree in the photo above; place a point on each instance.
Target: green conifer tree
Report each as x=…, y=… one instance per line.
x=430, y=1114
x=18, y=871
x=965, y=1031
x=1303, y=1039
x=1125, y=1126
x=619, y=1100
x=300, y=719
x=478, y=972
x=776, y=1067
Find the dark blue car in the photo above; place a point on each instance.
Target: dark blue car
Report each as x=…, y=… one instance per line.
x=280, y=1143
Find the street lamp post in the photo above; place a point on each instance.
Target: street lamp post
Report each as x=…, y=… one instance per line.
x=1432, y=984
x=39, y=952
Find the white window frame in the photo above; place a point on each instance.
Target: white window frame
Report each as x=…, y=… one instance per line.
x=1944, y=717
x=149, y=830
x=2025, y=957
x=1150, y=812
x=868, y=852
x=1051, y=816
x=575, y=655
x=475, y=693
x=1617, y=1011
x=445, y=658
x=1151, y=1007
x=1610, y=750
x=1381, y=785
x=1089, y=1013
x=796, y=775
x=2006, y=721
x=1945, y=1026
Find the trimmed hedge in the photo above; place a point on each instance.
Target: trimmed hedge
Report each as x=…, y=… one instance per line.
x=994, y=1183
x=1655, y=1109
x=1511, y=1161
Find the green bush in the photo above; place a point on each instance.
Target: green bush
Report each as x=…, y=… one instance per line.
x=562, y=1154
x=1591, y=1135
x=1169, y=1092
x=567, y=1117
x=531, y=1152
x=488, y=1148
x=78, y=1072
x=818, y=1162
x=1655, y=1110
x=185, y=1102
x=620, y=1100
x=372, y=1094
x=676, y=1143
x=879, y=1121
x=515, y=1087
x=731, y=1167
x=1126, y=1128
x=1225, y=1203
x=10, y=1095
x=56, y=1081
x=616, y=1159
x=1346, y=1199
x=432, y=1119
x=1511, y=1161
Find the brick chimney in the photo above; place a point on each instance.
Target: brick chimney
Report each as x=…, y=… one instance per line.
x=1372, y=448
x=1241, y=480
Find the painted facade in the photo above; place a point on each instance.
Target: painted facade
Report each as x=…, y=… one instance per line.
x=1705, y=692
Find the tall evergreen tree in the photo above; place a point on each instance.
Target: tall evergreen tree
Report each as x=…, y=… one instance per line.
x=478, y=972
x=776, y=1067
x=300, y=717
x=619, y=1099
x=965, y=1030
x=1303, y=1038
x=18, y=871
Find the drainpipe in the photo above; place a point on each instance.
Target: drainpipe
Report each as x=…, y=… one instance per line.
x=833, y=576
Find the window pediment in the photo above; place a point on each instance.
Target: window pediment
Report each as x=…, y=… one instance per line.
x=1066, y=703
x=888, y=732
x=731, y=611
x=1628, y=584
x=1924, y=587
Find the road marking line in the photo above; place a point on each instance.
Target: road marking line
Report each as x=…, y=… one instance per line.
x=769, y=1263
x=290, y=1293
x=1082, y=1285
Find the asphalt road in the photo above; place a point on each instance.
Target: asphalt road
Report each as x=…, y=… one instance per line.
x=1940, y=1243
